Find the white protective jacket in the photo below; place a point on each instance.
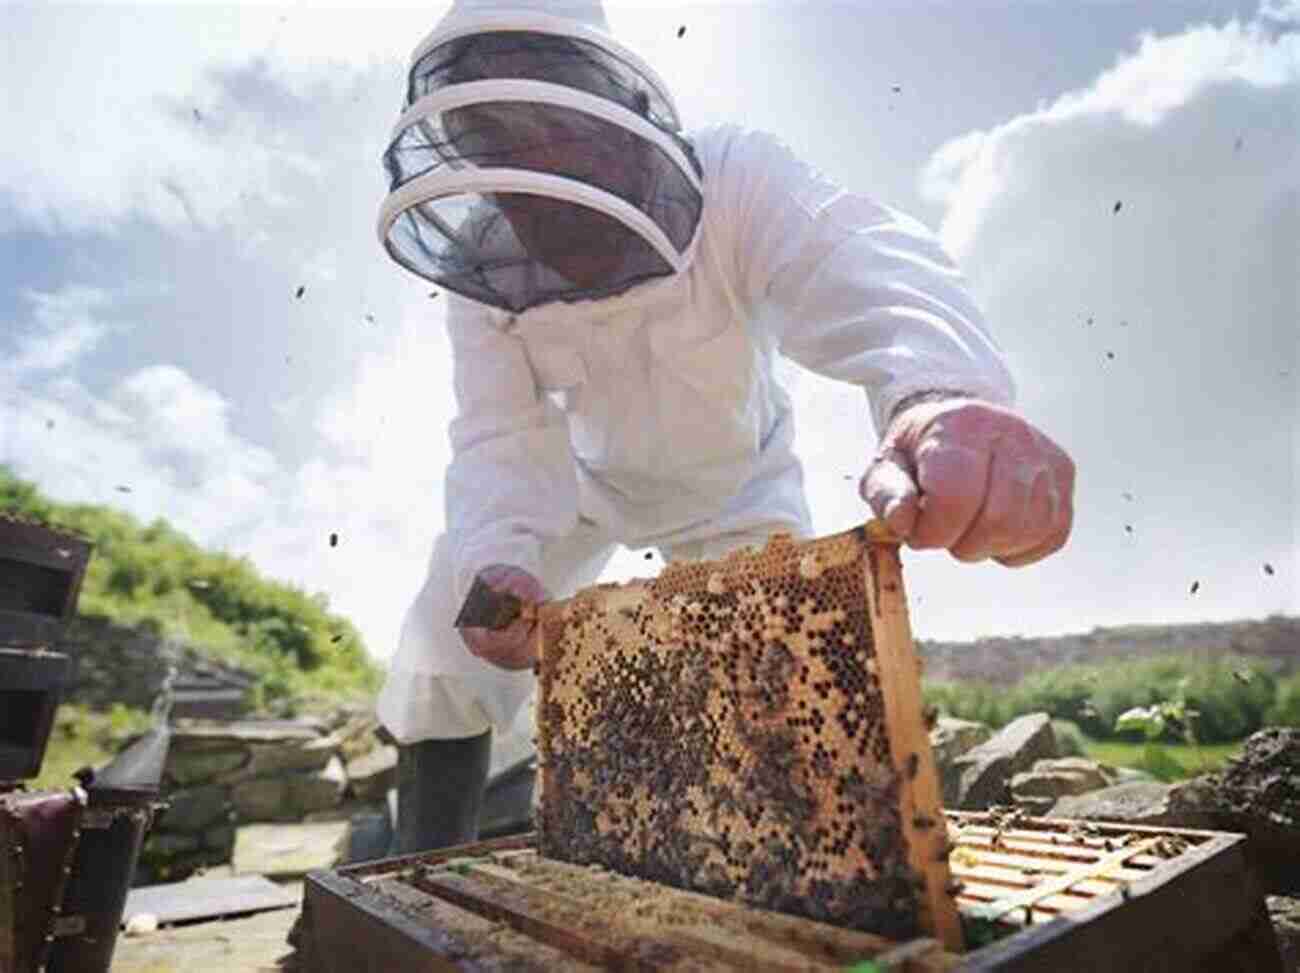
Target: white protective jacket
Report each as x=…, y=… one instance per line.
x=655, y=416
x=656, y=413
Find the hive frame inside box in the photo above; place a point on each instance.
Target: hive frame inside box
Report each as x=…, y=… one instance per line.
x=751, y=728
x=499, y=905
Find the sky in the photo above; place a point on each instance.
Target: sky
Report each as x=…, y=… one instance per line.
x=197, y=323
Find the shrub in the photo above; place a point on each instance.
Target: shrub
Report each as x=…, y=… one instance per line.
x=1285, y=710
x=980, y=702
x=1232, y=697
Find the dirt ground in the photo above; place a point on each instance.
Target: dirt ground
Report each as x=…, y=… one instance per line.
x=252, y=944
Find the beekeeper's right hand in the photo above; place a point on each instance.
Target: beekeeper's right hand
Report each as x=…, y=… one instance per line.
x=511, y=647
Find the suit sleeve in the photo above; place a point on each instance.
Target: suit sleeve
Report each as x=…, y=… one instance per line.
x=511, y=481
x=847, y=287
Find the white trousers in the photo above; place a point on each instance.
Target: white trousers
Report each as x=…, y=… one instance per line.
x=436, y=689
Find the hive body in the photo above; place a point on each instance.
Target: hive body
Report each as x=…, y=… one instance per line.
x=733, y=727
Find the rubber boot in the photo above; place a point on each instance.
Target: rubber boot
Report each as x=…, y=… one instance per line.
x=440, y=786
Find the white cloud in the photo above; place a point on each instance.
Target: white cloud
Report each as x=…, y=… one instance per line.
x=1133, y=245
x=1095, y=133
x=59, y=332
x=113, y=116
x=160, y=443
x=1280, y=11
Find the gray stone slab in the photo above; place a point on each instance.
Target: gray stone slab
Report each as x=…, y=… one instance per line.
x=371, y=774
x=207, y=898
x=318, y=791
x=289, y=850
x=263, y=799
x=195, y=763
x=195, y=809
x=271, y=758
x=245, y=731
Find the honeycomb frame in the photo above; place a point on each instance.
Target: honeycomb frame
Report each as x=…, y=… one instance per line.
x=750, y=728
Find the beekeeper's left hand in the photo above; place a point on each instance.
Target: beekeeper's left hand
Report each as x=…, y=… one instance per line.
x=974, y=478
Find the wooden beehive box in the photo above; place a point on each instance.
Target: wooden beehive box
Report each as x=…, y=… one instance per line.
x=41, y=570
x=750, y=728
x=1037, y=896
x=736, y=776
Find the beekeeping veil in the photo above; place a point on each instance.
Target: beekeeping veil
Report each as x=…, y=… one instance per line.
x=537, y=159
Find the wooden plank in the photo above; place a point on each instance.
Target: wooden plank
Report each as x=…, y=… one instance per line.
x=205, y=898
x=1069, y=831
x=1059, y=883
x=493, y=943
x=965, y=857
x=1009, y=880
x=385, y=867
x=815, y=942
x=1065, y=847
x=909, y=739
x=350, y=929
x=591, y=938
x=387, y=924
x=1010, y=849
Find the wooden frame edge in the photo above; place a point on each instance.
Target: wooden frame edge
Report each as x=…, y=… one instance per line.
x=923, y=824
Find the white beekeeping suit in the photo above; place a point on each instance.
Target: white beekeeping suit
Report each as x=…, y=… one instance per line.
x=637, y=404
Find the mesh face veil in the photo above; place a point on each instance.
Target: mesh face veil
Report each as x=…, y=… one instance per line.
x=537, y=160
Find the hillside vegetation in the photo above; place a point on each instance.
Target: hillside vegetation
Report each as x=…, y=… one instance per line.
x=1232, y=696
x=154, y=578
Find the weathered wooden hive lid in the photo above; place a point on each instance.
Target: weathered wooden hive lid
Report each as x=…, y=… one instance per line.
x=41, y=570
x=31, y=681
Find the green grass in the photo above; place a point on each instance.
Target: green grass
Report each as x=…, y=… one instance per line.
x=1184, y=760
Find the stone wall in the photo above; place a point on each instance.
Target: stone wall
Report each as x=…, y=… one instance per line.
x=125, y=664
x=225, y=782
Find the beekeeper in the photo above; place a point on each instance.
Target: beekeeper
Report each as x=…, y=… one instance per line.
x=619, y=294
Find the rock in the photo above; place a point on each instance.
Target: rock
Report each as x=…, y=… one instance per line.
x=1258, y=794
x=316, y=792
x=264, y=747
x=191, y=732
x=281, y=758
x=344, y=811
x=220, y=839
x=1136, y=802
x=371, y=775
x=1124, y=775
x=1038, y=789
x=1285, y=914
x=195, y=764
x=355, y=736
x=195, y=809
x=263, y=799
x=949, y=739
x=982, y=774
x=289, y=850
x=163, y=844
x=140, y=924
